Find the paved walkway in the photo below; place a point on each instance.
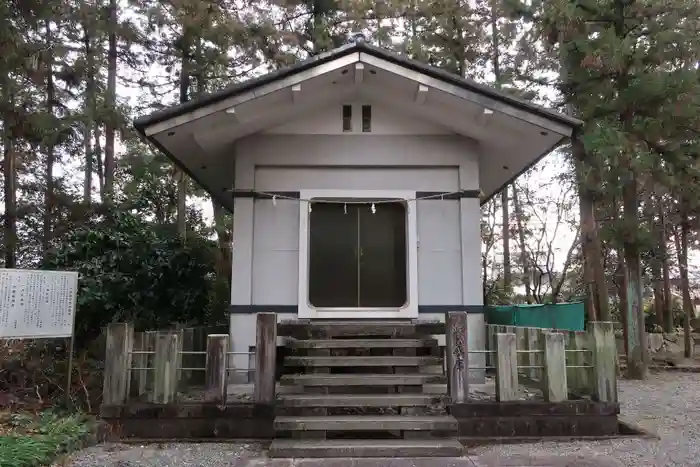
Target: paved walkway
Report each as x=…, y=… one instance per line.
x=251, y=455
x=479, y=461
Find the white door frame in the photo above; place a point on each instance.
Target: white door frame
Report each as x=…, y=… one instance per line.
x=410, y=309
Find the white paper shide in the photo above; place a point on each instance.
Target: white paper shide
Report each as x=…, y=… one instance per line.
x=37, y=304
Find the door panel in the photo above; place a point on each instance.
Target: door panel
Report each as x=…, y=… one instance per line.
x=382, y=241
x=357, y=258
x=333, y=278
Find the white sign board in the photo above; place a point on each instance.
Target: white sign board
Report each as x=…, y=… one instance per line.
x=37, y=304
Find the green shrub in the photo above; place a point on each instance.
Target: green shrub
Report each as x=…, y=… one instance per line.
x=131, y=270
x=36, y=441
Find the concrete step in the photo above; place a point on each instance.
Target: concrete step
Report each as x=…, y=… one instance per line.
x=361, y=379
x=358, y=400
x=361, y=343
x=352, y=361
x=365, y=448
x=306, y=329
x=366, y=423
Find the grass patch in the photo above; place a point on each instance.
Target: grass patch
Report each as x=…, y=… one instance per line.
x=28, y=440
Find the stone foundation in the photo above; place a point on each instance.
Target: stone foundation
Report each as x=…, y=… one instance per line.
x=189, y=421
x=523, y=419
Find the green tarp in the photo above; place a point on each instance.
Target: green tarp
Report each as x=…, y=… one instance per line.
x=565, y=316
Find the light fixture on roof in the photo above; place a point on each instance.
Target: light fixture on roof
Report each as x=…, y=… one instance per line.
x=421, y=94
x=483, y=117
x=232, y=112
x=296, y=92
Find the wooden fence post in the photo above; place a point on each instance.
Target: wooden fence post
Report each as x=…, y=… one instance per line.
x=491, y=345
x=521, y=345
x=604, y=353
x=138, y=360
x=533, y=359
x=506, y=367
x=578, y=378
x=188, y=360
x=555, y=387
x=456, y=353
x=165, y=367
x=149, y=344
x=117, y=372
x=215, y=374
x=265, y=357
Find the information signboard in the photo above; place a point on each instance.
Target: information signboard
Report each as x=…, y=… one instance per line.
x=37, y=304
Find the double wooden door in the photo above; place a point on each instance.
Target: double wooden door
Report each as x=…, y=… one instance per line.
x=357, y=256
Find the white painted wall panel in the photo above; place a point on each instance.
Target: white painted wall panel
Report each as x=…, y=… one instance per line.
x=242, y=256
x=470, y=220
x=275, y=252
x=385, y=121
x=358, y=151
x=349, y=178
x=439, y=253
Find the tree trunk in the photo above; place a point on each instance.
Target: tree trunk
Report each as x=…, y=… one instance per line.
x=682, y=249
x=185, y=76
x=523, y=251
x=557, y=285
x=223, y=234
x=636, y=335
x=657, y=284
x=111, y=103
x=97, y=151
x=89, y=115
x=505, y=215
x=593, y=273
x=317, y=14
x=622, y=288
x=655, y=263
x=507, y=279
x=669, y=325
x=49, y=194
x=10, y=187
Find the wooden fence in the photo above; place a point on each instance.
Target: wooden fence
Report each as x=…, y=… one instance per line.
x=564, y=365
x=157, y=365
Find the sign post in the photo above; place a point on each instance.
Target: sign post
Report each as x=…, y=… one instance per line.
x=38, y=304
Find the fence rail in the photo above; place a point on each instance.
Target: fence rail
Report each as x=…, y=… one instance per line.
x=562, y=364
x=156, y=365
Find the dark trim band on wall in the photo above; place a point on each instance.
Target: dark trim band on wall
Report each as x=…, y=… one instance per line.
x=441, y=195
x=242, y=193
x=422, y=309
x=437, y=195
x=294, y=309
x=252, y=309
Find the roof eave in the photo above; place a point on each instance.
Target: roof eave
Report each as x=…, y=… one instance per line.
x=141, y=130
x=559, y=142
x=238, y=88
x=166, y=114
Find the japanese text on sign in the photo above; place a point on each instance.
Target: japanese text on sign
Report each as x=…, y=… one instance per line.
x=37, y=304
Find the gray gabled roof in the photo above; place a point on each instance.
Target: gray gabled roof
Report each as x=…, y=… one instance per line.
x=140, y=124
x=230, y=91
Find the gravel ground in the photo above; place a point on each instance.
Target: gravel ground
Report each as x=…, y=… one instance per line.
x=162, y=455
x=667, y=404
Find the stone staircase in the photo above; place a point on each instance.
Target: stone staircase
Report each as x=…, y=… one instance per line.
x=363, y=389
